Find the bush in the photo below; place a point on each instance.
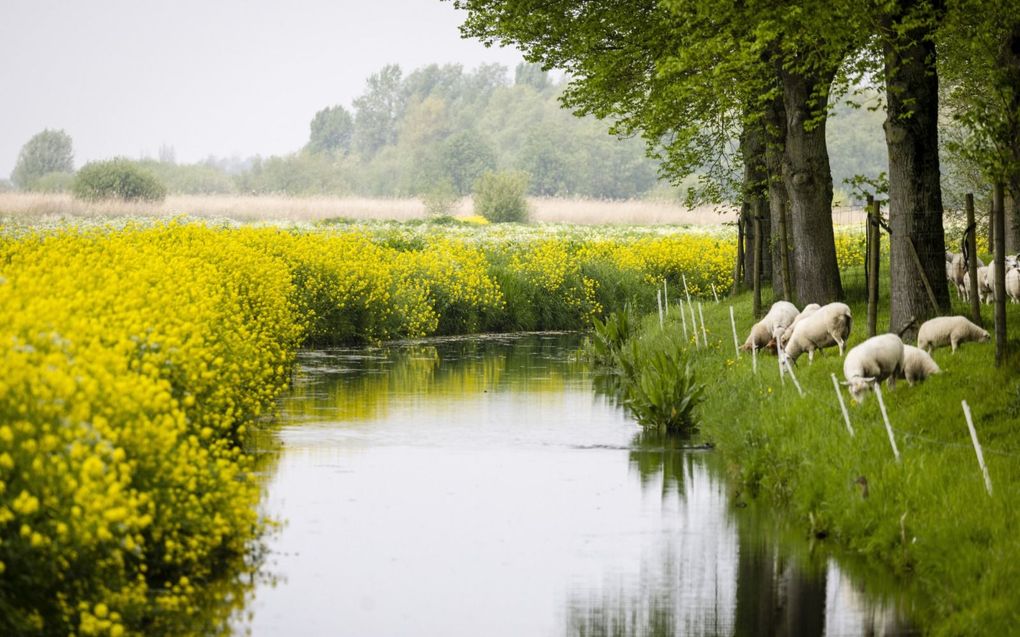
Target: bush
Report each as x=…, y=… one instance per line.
x=117, y=179
x=440, y=199
x=661, y=391
x=499, y=197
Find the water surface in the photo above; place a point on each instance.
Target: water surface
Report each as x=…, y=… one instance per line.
x=479, y=487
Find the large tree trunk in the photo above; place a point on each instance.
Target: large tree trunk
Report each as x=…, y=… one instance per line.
x=775, y=140
x=808, y=182
x=915, y=193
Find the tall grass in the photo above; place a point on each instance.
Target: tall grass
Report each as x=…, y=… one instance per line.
x=274, y=208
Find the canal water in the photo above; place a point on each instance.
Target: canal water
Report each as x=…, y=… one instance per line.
x=480, y=487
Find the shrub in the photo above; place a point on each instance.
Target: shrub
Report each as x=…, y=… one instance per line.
x=440, y=199
x=499, y=196
x=53, y=182
x=117, y=179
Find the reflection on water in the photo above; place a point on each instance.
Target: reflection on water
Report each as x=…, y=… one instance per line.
x=463, y=487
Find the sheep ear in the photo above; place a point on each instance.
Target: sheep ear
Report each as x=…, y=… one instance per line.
x=844, y=383
x=869, y=379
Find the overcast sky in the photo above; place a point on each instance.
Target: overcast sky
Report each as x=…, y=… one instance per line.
x=221, y=77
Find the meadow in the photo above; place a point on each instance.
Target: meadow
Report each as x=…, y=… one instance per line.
x=927, y=516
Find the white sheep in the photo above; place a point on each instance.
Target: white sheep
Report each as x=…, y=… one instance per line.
x=779, y=317
x=956, y=272
x=985, y=291
x=876, y=359
x=1013, y=285
x=917, y=364
x=948, y=330
x=827, y=326
x=808, y=310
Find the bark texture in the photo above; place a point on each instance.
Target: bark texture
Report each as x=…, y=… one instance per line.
x=1009, y=62
x=775, y=138
x=915, y=193
x=808, y=180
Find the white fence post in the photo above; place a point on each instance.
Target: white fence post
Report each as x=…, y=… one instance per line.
x=789, y=368
x=842, y=405
x=977, y=447
x=704, y=334
x=736, y=342
x=694, y=325
x=658, y=299
x=885, y=417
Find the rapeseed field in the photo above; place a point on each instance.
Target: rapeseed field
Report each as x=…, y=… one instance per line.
x=136, y=360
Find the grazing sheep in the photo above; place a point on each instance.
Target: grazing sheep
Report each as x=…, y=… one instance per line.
x=827, y=326
x=917, y=364
x=948, y=330
x=780, y=315
x=1013, y=285
x=957, y=273
x=876, y=359
x=808, y=310
x=985, y=291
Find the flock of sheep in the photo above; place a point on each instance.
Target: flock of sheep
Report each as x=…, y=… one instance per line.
x=790, y=333
x=957, y=274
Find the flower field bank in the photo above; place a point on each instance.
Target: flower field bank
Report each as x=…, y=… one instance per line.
x=136, y=360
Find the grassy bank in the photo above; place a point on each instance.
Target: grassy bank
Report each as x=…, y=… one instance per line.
x=928, y=516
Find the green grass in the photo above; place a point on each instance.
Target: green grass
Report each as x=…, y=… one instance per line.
x=927, y=517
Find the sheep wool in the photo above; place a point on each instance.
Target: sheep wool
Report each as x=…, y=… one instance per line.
x=876, y=359
x=1013, y=285
x=948, y=330
x=827, y=326
x=917, y=364
x=808, y=310
x=779, y=317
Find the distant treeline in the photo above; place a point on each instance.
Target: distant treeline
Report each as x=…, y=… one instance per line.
x=442, y=127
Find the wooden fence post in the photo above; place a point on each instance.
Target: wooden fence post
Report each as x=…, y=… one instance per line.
x=971, y=238
x=738, y=267
x=874, y=248
x=999, y=208
x=757, y=263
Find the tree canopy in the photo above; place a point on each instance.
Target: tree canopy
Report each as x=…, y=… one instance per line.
x=50, y=151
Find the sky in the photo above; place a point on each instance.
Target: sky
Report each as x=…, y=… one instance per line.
x=206, y=77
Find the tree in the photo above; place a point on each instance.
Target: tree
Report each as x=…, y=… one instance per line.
x=377, y=111
x=981, y=88
x=532, y=75
x=47, y=152
x=331, y=131
x=684, y=75
x=906, y=31
x=465, y=156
